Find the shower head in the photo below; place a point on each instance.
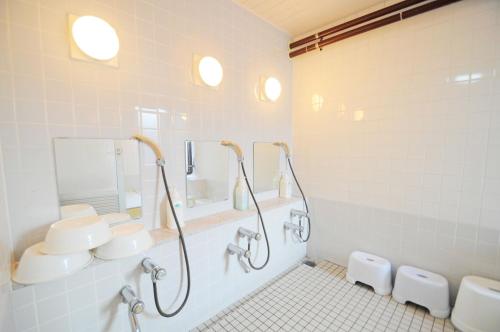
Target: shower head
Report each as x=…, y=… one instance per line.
x=236, y=148
x=284, y=146
x=148, y=141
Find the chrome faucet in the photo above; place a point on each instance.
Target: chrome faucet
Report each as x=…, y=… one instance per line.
x=293, y=227
x=296, y=229
x=135, y=306
x=157, y=272
x=241, y=254
x=298, y=213
x=243, y=232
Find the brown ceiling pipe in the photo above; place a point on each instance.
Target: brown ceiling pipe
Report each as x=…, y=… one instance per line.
x=362, y=19
x=345, y=35
x=374, y=25
x=302, y=50
x=425, y=8
x=357, y=31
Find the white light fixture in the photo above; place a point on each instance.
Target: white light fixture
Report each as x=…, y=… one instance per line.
x=272, y=88
x=207, y=70
x=268, y=89
x=94, y=38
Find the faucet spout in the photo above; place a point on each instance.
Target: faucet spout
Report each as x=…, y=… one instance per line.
x=244, y=265
x=242, y=255
x=135, y=306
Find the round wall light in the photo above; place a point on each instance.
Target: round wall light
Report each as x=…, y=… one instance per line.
x=272, y=88
x=210, y=71
x=95, y=37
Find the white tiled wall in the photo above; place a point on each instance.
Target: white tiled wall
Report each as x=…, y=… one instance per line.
x=89, y=301
x=403, y=159
x=46, y=94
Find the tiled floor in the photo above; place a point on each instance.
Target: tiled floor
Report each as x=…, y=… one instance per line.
x=320, y=299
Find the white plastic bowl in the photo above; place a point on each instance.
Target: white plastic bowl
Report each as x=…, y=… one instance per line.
x=36, y=267
x=128, y=240
x=76, y=234
x=77, y=211
x=116, y=218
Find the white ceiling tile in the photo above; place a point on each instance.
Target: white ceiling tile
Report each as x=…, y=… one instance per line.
x=300, y=16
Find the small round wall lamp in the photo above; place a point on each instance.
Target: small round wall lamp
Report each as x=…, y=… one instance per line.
x=94, y=38
x=269, y=89
x=207, y=71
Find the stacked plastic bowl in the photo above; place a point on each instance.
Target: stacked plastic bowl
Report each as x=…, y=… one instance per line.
x=70, y=243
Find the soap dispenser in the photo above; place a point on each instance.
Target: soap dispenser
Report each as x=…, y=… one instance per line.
x=285, y=190
x=240, y=194
x=178, y=206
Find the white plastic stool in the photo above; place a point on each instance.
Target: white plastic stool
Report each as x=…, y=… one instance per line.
x=371, y=270
x=477, y=308
x=424, y=288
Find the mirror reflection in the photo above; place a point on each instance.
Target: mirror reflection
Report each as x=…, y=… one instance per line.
x=103, y=173
x=206, y=173
x=266, y=167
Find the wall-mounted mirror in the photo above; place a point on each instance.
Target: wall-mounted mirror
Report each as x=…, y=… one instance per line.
x=206, y=173
x=266, y=166
x=104, y=173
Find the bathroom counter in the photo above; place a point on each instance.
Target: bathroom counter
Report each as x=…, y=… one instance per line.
x=197, y=225
x=201, y=224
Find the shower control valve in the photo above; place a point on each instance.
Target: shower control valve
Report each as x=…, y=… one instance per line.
x=136, y=306
x=298, y=213
x=243, y=232
x=157, y=272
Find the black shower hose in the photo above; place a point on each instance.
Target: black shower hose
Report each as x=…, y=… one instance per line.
x=261, y=222
x=183, y=243
x=305, y=204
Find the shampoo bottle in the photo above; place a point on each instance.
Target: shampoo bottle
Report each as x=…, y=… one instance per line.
x=178, y=206
x=240, y=194
x=285, y=190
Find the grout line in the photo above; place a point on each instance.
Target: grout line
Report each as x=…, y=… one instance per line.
x=305, y=298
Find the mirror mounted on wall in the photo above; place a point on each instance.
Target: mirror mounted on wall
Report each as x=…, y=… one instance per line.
x=206, y=164
x=267, y=165
x=104, y=173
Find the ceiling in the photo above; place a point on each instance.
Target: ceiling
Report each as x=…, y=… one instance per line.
x=300, y=16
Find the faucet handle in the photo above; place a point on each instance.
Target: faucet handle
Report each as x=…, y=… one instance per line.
x=137, y=307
